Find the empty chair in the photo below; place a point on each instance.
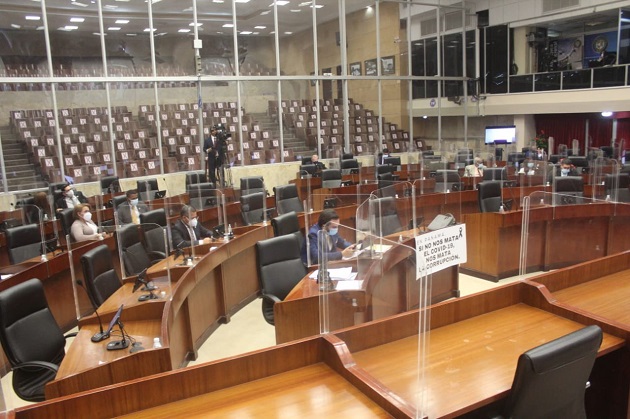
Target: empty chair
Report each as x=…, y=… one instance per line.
x=23, y=242
x=134, y=255
x=110, y=184
x=580, y=163
x=385, y=168
x=568, y=190
x=347, y=156
x=66, y=217
x=385, y=217
x=287, y=224
x=252, y=208
x=101, y=279
x=147, y=189
x=489, y=195
x=203, y=195
x=193, y=178
x=252, y=184
x=31, y=338
x=494, y=173
x=331, y=178
x=447, y=180
x=618, y=188
x=551, y=379
x=152, y=226
x=350, y=166
x=287, y=199
x=280, y=268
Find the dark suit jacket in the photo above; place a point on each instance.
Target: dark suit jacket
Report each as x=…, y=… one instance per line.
x=61, y=202
x=124, y=211
x=181, y=237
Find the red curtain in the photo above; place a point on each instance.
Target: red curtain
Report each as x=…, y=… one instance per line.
x=623, y=131
x=566, y=127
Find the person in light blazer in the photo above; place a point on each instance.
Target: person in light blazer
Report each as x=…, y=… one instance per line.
x=83, y=228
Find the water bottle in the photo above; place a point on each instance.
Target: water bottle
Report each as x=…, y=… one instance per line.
x=156, y=343
x=501, y=209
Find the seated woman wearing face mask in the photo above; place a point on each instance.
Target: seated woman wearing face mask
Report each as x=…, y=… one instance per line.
x=528, y=167
x=83, y=228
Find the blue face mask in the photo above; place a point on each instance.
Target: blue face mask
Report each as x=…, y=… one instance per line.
x=134, y=202
x=333, y=231
x=565, y=171
x=530, y=165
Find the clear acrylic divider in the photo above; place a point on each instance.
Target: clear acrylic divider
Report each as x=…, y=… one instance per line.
x=341, y=197
x=562, y=229
x=376, y=279
x=533, y=175
x=391, y=210
x=604, y=178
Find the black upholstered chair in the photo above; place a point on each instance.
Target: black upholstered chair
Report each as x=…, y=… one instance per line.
x=202, y=195
x=287, y=224
x=280, y=268
x=384, y=216
x=331, y=178
x=489, y=195
x=117, y=200
x=134, y=255
x=152, y=226
x=31, y=338
x=23, y=242
x=287, y=199
x=617, y=187
x=253, y=184
x=110, y=184
x=193, y=178
x=494, y=173
x=568, y=190
x=99, y=275
x=349, y=166
x=252, y=208
x=551, y=379
x=66, y=216
x=447, y=180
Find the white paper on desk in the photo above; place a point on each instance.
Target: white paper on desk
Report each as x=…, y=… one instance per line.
x=349, y=285
x=3, y=277
x=380, y=248
x=340, y=274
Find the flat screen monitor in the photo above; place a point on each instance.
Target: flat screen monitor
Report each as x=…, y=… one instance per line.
x=501, y=134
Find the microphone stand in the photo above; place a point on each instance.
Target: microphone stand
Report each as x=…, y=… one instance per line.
x=123, y=343
x=101, y=335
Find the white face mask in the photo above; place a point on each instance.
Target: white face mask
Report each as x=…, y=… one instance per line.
x=87, y=216
x=134, y=202
x=70, y=194
x=193, y=223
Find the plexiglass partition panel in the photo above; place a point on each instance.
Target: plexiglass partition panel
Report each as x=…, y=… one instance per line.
x=361, y=278
x=604, y=178
x=566, y=228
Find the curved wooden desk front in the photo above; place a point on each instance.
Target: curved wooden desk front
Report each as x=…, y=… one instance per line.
x=203, y=296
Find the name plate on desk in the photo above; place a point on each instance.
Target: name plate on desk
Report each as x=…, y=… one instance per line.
x=440, y=249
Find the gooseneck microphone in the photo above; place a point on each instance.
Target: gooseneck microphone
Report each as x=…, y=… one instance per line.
x=102, y=335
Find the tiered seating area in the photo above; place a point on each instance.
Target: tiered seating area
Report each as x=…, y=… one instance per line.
x=301, y=116
x=88, y=153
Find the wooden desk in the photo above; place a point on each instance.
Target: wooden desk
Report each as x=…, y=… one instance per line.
x=371, y=369
x=582, y=232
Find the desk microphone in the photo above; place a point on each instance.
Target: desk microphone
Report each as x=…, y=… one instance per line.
x=102, y=335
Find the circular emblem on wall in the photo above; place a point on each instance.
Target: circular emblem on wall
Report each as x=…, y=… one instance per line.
x=432, y=103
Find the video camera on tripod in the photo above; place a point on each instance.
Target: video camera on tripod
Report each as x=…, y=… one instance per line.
x=222, y=136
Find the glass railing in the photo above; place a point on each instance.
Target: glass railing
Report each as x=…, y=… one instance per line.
x=588, y=78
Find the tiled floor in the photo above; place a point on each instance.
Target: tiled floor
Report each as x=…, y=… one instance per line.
x=247, y=331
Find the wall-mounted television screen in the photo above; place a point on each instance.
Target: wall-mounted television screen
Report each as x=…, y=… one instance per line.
x=501, y=135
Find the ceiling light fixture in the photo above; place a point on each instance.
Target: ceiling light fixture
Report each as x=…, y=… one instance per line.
x=606, y=114
x=113, y=28
x=183, y=30
x=77, y=19
x=260, y=27
x=30, y=17
x=122, y=21
x=228, y=25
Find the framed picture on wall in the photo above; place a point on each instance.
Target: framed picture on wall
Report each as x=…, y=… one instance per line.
x=388, y=65
x=370, y=67
x=355, y=69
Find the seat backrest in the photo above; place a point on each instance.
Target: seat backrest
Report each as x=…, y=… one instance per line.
x=287, y=199
x=66, y=216
x=252, y=184
x=550, y=380
x=447, y=180
x=384, y=215
x=494, y=173
x=135, y=257
x=347, y=166
x=252, y=207
x=157, y=216
x=489, y=195
x=100, y=277
x=23, y=242
x=569, y=190
x=110, y=184
x=280, y=267
x=331, y=178
x=287, y=224
x=193, y=178
x=28, y=330
x=117, y=200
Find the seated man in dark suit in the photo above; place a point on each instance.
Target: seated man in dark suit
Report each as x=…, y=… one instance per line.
x=319, y=166
x=336, y=248
x=69, y=198
x=129, y=211
x=188, y=231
